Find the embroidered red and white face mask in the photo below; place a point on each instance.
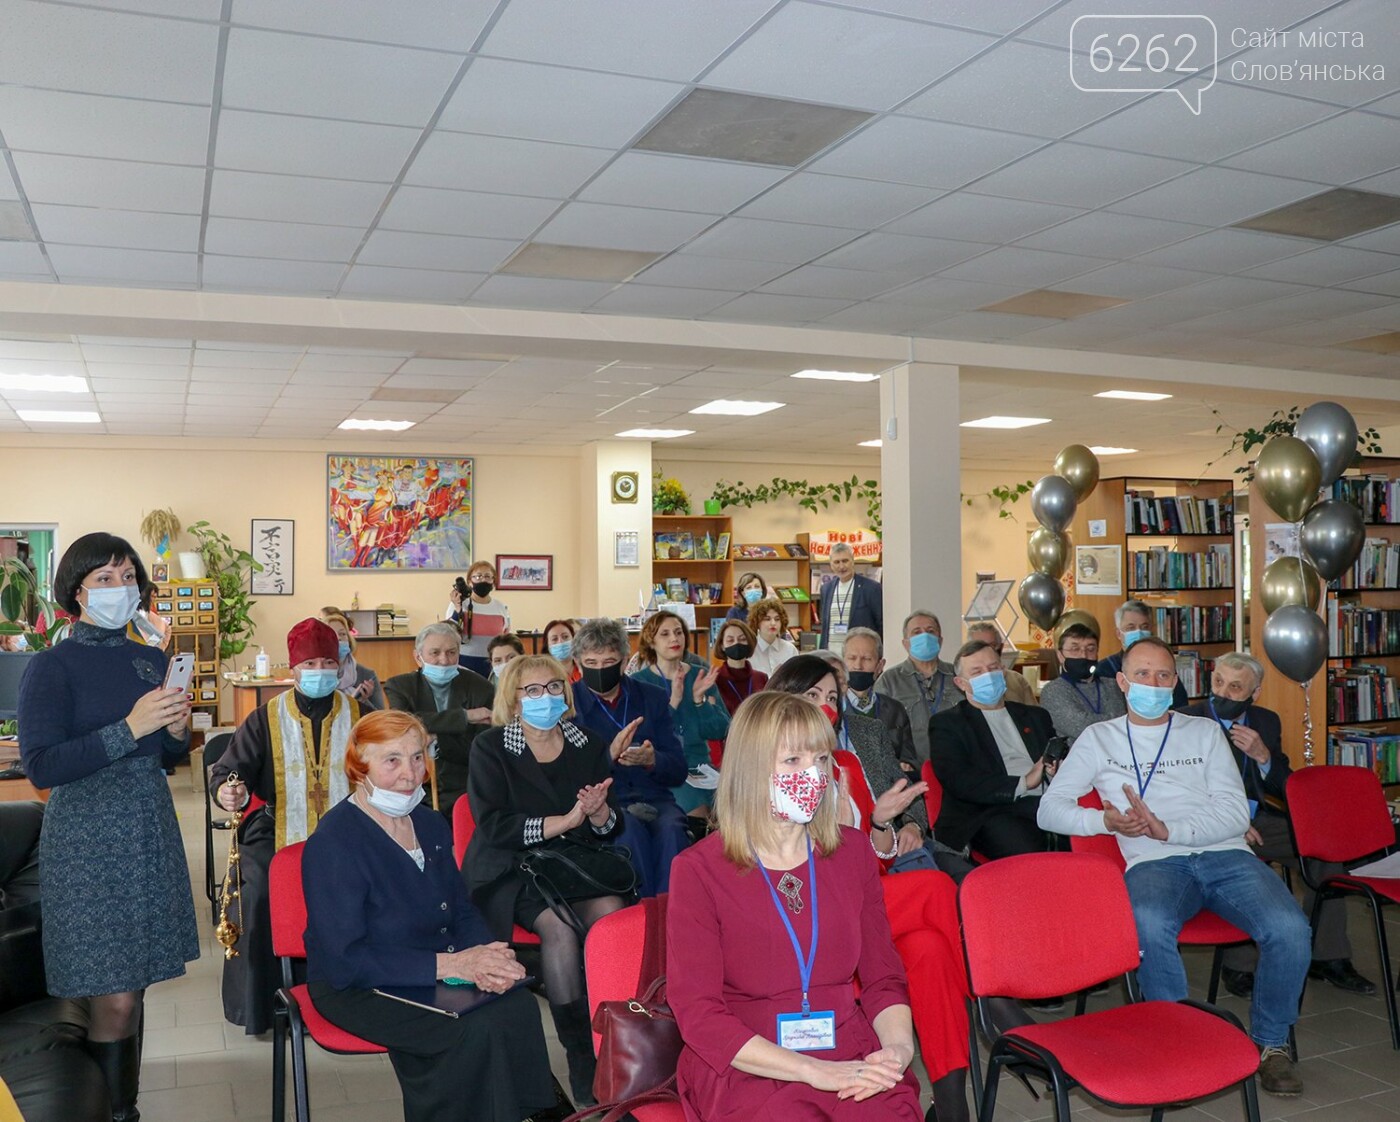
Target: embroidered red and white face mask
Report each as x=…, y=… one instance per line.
x=795, y=797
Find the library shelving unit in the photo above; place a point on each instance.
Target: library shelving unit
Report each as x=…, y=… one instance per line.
x=806, y=566
x=1176, y=538
x=698, y=572
x=1360, y=698
x=191, y=607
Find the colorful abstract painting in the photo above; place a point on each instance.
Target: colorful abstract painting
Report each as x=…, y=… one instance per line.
x=399, y=512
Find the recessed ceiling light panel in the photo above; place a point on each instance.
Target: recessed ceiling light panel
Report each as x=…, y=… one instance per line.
x=836, y=376
x=1105, y=450
x=877, y=443
x=657, y=434
x=375, y=426
x=1005, y=422
x=1133, y=395
x=1340, y=213
x=738, y=408
x=61, y=416
x=44, y=383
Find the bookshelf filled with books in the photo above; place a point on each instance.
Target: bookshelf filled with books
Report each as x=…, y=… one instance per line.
x=1171, y=544
x=691, y=564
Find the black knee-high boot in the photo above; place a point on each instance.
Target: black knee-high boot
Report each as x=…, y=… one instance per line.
x=120, y=1061
x=571, y=1022
x=950, y=1097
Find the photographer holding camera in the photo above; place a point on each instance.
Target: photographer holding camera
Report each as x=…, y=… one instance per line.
x=479, y=617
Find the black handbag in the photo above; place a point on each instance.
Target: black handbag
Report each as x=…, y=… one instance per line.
x=563, y=869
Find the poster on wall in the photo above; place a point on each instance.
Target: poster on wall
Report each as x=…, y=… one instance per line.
x=399, y=512
x=274, y=541
x=1098, y=570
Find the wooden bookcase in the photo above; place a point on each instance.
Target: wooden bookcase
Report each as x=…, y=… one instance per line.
x=711, y=571
x=1172, y=534
x=191, y=607
x=780, y=571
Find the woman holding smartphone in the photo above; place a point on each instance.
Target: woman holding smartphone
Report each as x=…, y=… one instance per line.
x=98, y=729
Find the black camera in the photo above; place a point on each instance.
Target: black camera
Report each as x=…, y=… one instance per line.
x=462, y=590
x=1056, y=749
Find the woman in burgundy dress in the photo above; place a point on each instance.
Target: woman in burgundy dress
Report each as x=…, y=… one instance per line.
x=780, y=892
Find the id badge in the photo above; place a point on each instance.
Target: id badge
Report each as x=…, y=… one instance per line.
x=839, y=629
x=1253, y=808
x=815, y=1032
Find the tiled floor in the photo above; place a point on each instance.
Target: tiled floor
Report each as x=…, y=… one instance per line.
x=199, y=1069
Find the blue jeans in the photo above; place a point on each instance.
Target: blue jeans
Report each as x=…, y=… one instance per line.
x=653, y=845
x=1240, y=888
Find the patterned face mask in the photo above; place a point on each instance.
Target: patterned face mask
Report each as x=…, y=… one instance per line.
x=795, y=797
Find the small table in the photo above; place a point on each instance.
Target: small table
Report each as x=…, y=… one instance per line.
x=248, y=696
x=17, y=790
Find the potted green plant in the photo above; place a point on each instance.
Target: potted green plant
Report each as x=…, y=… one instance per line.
x=24, y=608
x=669, y=497
x=230, y=568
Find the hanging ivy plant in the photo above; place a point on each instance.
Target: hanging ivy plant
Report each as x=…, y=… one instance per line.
x=811, y=496
x=1004, y=493
x=1282, y=423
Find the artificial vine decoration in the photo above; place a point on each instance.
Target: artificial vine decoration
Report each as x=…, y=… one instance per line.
x=1282, y=423
x=1004, y=493
x=811, y=496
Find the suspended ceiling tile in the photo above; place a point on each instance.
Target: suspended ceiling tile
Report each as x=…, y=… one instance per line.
x=970, y=217
x=1225, y=251
x=650, y=179
x=535, y=292
x=686, y=270
x=435, y=251
x=450, y=25
x=1217, y=196
x=116, y=228
x=119, y=128
x=834, y=200
x=431, y=210
x=845, y=284
x=115, y=184
x=1351, y=147
x=616, y=227
x=294, y=241
x=645, y=299
x=755, y=239
x=505, y=165
x=126, y=266
x=306, y=146
x=1104, y=234
x=1028, y=268
x=924, y=153
x=286, y=198
x=1076, y=175
x=764, y=307
x=904, y=253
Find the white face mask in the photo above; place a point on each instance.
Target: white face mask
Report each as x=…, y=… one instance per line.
x=393, y=803
x=112, y=607
x=796, y=796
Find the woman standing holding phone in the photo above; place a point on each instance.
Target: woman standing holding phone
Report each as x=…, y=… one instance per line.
x=98, y=728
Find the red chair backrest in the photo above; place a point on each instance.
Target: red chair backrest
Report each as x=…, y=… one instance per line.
x=463, y=826
x=612, y=957
x=1072, y=920
x=933, y=797
x=287, y=902
x=1339, y=813
x=1105, y=844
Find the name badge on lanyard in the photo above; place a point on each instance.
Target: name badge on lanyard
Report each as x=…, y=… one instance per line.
x=808, y=1030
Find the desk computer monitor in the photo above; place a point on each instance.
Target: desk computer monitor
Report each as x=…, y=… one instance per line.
x=12, y=667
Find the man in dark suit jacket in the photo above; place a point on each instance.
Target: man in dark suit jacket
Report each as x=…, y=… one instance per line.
x=986, y=754
x=454, y=707
x=849, y=601
x=1257, y=737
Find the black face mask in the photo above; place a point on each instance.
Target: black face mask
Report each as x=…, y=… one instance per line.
x=1078, y=669
x=860, y=680
x=482, y=588
x=737, y=651
x=1228, y=708
x=602, y=679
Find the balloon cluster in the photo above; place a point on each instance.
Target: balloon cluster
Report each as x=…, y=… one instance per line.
x=1053, y=502
x=1288, y=474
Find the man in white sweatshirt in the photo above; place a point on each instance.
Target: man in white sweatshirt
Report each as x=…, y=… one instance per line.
x=1173, y=795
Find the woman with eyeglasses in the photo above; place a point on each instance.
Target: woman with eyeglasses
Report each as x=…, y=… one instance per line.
x=537, y=776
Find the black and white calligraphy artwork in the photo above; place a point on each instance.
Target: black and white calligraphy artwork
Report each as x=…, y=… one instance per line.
x=273, y=542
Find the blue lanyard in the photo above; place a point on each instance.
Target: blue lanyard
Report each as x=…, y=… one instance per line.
x=1097, y=704
x=938, y=697
x=804, y=966
x=1242, y=719
x=735, y=689
x=1152, y=773
x=607, y=710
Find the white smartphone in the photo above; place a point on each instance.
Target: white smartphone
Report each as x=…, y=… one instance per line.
x=179, y=672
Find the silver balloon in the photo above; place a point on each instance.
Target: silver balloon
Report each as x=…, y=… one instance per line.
x=1332, y=536
x=1042, y=598
x=1295, y=639
x=1053, y=503
x=1330, y=431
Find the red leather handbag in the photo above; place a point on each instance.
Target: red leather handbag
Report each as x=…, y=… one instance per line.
x=641, y=1044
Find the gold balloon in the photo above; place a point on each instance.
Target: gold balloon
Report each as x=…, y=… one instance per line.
x=1290, y=580
x=1288, y=475
x=1048, y=551
x=1080, y=467
x=1076, y=615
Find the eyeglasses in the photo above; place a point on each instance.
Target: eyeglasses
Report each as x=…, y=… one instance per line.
x=535, y=690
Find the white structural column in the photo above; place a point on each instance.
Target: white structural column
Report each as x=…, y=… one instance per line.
x=921, y=472
x=605, y=589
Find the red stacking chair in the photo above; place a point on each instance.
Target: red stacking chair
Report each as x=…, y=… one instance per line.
x=463, y=826
x=612, y=962
x=1339, y=815
x=1204, y=929
x=1074, y=929
x=295, y=1009
x=933, y=803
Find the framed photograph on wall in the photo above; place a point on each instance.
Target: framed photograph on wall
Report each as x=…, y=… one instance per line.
x=274, y=548
x=524, y=572
x=399, y=512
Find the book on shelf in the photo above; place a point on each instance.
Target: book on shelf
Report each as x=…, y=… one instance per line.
x=721, y=551
x=1376, y=566
x=1194, y=623
x=678, y=590
x=796, y=551
x=757, y=552
x=675, y=546
x=1160, y=568
x=1145, y=513
x=1362, y=692
x=1358, y=630
x=1194, y=672
x=1369, y=748
x=1377, y=495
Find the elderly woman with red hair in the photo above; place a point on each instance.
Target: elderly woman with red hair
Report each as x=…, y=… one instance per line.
x=386, y=907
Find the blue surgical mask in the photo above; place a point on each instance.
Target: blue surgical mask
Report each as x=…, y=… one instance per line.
x=317, y=683
x=1131, y=637
x=440, y=675
x=113, y=607
x=344, y=649
x=989, y=688
x=753, y=595
x=1149, y=702
x=562, y=651
x=925, y=646
x=542, y=713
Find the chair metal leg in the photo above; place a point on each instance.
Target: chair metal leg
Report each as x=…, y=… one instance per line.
x=1387, y=975
x=299, y=1088
x=1251, y=1100
x=279, y=1066
x=1061, y=1088
x=1158, y=1112
x=974, y=1057
x=1217, y=963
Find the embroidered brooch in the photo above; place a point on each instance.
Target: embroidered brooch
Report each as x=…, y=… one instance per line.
x=146, y=672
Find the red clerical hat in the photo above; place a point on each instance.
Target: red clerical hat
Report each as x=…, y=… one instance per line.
x=311, y=639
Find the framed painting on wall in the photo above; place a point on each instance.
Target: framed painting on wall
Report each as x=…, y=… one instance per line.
x=399, y=512
x=274, y=548
x=524, y=572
